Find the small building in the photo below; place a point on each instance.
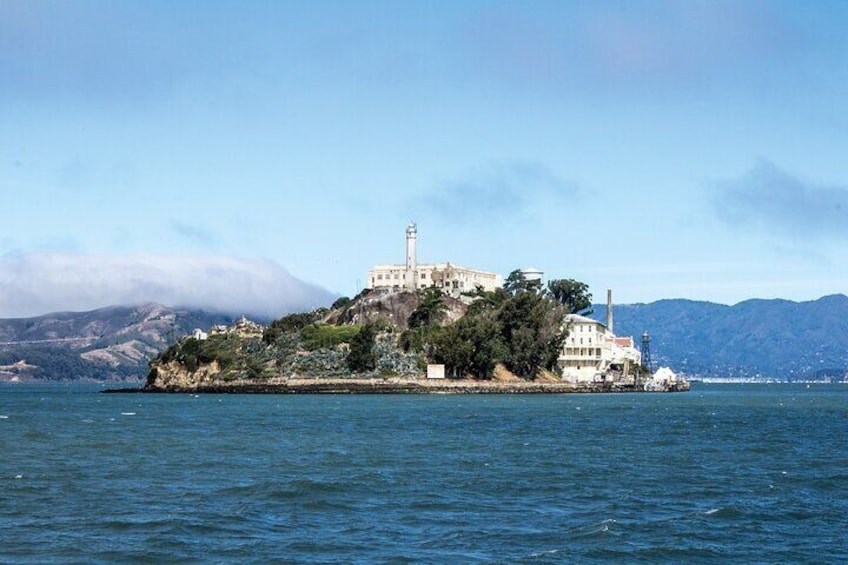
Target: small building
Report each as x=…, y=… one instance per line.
x=592, y=353
x=199, y=334
x=435, y=371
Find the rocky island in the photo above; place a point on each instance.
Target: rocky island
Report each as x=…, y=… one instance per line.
x=508, y=340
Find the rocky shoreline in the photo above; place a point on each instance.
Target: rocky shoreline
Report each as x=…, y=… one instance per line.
x=391, y=386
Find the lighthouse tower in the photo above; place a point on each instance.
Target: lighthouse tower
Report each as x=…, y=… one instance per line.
x=411, y=275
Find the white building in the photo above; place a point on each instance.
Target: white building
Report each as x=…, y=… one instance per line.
x=446, y=276
x=592, y=353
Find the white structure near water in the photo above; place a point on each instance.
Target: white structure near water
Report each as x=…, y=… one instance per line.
x=448, y=277
x=593, y=353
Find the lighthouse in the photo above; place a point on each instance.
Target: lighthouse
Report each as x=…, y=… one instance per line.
x=411, y=274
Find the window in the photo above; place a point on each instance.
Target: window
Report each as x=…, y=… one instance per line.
x=380, y=277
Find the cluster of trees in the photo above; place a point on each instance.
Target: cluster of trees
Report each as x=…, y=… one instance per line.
x=519, y=325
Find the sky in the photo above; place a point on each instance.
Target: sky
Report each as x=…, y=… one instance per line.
x=261, y=157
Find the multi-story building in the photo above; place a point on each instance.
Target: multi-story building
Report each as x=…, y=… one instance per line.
x=592, y=353
x=446, y=276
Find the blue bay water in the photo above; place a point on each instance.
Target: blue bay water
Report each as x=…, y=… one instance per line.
x=723, y=473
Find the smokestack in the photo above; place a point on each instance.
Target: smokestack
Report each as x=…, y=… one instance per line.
x=609, y=310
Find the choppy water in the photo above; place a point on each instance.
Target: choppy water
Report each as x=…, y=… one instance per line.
x=724, y=473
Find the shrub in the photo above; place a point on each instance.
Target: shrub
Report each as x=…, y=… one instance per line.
x=320, y=336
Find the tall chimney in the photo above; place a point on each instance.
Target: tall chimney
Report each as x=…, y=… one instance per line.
x=609, y=310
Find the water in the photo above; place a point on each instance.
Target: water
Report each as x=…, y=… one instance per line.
x=724, y=473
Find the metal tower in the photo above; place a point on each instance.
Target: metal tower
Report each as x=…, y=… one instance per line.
x=646, y=352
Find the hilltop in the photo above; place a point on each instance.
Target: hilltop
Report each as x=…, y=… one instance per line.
x=114, y=343
x=755, y=338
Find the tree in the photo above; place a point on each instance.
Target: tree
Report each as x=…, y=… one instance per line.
x=573, y=295
x=519, y=326
x=361, y=357
x=340, y=302
x=531, y=329
x=516, y=282
x=431, y=309
x=454, y=351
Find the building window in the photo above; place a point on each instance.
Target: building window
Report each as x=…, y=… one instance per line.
x=379, y=277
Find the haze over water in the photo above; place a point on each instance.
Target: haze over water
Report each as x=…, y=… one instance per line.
x=724, y=473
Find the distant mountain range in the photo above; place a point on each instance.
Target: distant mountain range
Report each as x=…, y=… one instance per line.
x=755, y=338
x=765, y=338
x=112, y=343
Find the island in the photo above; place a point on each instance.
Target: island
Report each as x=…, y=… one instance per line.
x=512, y=339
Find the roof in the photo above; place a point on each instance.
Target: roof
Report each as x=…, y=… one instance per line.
x=578, y=319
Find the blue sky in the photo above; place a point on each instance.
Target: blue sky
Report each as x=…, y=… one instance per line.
x=262, y=156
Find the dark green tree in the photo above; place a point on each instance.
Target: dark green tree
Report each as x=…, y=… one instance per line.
x=489, y=349
x=518, y=325
x=361, y=357
x=573, y=295
x=453, y=351
x=532, y=331
x=516, y=282
x=340, y=302
x=431, y=309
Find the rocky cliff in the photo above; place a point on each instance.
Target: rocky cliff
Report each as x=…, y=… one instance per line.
x=393, y=307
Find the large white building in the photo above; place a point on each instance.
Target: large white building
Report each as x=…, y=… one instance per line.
x=592, y=353
x=446, y=276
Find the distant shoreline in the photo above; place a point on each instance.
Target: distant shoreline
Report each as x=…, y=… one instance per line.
x=393, y=386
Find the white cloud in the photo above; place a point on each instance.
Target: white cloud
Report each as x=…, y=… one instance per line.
x=39, y=283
